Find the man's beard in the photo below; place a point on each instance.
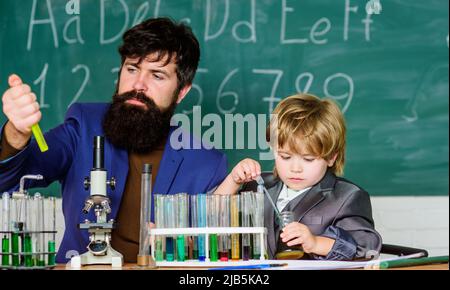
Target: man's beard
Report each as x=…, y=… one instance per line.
x=135, y=128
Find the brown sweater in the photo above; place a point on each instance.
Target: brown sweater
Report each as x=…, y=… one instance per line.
x=125, y=236
x=6, y=150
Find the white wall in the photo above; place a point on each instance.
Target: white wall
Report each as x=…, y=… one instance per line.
x=421, y=222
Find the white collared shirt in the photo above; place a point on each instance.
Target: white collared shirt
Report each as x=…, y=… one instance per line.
x=286, y=195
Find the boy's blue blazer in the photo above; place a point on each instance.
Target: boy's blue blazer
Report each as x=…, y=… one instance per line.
x=70, y=159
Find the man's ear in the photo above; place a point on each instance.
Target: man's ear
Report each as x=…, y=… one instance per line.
x=332, y=160
x=183, y=92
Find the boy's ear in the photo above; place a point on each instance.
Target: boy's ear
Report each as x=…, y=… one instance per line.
x=332, y=160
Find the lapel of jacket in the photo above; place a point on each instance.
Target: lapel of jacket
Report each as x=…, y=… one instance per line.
x=302, y=205
x=168, y=168
x=269, y=212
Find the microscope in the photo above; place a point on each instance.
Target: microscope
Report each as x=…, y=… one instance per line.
x=99, y=247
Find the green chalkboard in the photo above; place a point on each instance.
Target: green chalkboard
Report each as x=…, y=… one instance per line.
x=388, y=71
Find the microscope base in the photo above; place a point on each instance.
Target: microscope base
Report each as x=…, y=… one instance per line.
x=113, y=258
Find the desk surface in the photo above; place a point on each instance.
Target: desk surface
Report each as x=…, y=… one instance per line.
x=135, y=267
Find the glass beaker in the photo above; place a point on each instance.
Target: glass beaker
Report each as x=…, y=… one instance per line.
x=285, y=252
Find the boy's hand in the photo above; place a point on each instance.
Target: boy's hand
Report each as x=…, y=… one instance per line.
x=298, y=234
x=245, y=171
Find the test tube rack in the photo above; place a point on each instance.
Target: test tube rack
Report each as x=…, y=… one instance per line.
x=28, y=238
x=27, y=260
x=261, y=231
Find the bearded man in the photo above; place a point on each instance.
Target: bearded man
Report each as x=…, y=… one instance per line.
x=159, y=59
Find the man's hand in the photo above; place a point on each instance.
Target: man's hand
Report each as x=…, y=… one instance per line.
x=22, y=110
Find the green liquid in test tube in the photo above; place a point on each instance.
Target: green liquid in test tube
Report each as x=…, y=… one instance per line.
x=5, y=251
x=213, y=208
x=17, y=240
x=169, y=221
x=15, y=249
x=39, y=137
x=40, y=226
x=51, y=259
x=27, y=244
x=159, y=222
x=182, y=222
x=159, y=252
x=6, y=206
x=214, y=255
x=28, y=249
x=180, y=248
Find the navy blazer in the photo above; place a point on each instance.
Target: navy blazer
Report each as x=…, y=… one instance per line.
x=70, y=159
x=333, y=208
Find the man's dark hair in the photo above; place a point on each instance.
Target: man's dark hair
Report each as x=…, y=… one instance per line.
x=164, y=37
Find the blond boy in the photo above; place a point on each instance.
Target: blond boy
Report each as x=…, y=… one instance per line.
x=333, y=216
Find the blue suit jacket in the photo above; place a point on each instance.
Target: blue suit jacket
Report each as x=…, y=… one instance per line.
x=70, y=159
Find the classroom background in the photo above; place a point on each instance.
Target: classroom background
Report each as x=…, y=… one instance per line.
x=388, y=71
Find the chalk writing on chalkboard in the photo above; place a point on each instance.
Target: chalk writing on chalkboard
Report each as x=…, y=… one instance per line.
x=387, y=71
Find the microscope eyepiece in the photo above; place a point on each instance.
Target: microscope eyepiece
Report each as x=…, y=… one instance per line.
x=99, y=142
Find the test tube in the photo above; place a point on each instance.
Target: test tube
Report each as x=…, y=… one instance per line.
x=6, y=205
x=224, y=222
x=26, y=225
x=213, y=207
x=51, y=225
x=258, y=221
x=234, y=204
x=17, y=227
x=32, y=226
x=201, y=215
x=159, y=222
x=182, y=222
x=143, y=258
x=194, y=224
x=40, y=227
x=247, y=206
x=169, y=221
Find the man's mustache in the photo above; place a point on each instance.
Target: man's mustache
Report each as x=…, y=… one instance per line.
x=135, y=95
